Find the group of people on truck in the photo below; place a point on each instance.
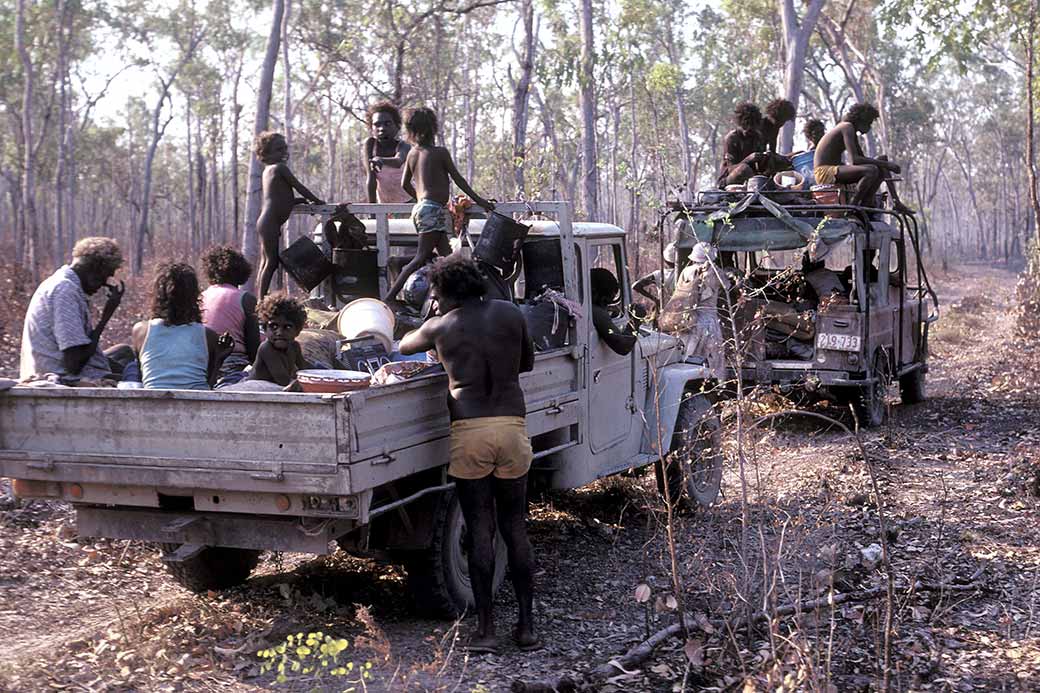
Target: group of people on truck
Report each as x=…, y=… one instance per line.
x=750, y=149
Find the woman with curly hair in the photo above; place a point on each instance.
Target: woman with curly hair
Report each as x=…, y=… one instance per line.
x=228, y=308
x=175, y=350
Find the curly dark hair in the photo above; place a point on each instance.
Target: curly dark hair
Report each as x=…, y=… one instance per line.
x=263, y=142
x=175, y=294
x=457, y=278
x=780, y=110
x=814, y=126
x=862, y=112
x=98, y=254
x=421, y=125
x=747, y=116
x=274, y=305
x=383, y=107
x=225, y=265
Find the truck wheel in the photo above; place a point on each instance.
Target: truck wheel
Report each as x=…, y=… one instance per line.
x=438, y=577
x=912, y=387
x=214, y=568
x=872, y=403
x=694, y=463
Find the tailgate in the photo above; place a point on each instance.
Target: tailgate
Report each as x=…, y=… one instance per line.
x=173, y=439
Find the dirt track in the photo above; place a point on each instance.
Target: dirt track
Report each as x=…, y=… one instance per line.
x=955, y=476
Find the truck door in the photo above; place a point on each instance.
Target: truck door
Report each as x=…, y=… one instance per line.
x=610, y=374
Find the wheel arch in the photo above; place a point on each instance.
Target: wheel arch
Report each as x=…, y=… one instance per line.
x=664, y=395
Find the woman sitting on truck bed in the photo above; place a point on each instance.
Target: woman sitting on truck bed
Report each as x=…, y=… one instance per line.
x=228, y=308
x=175, y=350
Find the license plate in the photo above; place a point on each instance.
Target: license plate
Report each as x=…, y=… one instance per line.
x=838, y=342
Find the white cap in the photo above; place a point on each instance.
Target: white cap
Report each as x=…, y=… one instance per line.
x=702, y=252
x=670, y=253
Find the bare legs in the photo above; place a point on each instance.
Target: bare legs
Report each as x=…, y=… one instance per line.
x=428, y=243
x=867, y=178
x=270, y=232
x=482, y=500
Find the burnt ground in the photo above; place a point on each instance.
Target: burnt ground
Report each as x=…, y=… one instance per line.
x=957, y=481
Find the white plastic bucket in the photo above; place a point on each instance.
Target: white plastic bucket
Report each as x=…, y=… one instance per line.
x=367, y=317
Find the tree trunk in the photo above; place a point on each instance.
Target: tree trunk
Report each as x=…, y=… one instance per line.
x=522, y=95
x=193, y=227
x=250, y=242
x=236, y=118
x=590, y=170
x=28, y=201
x=796, y=46
x=1031, y=119
x=60, y=174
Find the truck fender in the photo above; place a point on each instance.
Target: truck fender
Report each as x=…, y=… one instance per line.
x=664, y=394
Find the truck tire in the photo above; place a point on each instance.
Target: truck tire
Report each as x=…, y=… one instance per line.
x=872, y=403
x=694, y=462
x=438, y=577
x=912, y=387
x=214, y=568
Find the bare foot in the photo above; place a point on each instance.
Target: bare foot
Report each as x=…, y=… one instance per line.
x=483, y=644
x=526, y=639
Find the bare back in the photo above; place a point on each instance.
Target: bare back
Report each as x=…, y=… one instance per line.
x=431, y=172
x=484, y=345
x=835, y=143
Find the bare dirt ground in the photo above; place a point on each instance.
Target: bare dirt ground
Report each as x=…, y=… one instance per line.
x=957, y=481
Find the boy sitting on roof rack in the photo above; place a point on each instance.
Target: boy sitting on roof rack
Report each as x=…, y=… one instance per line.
x=865, y=172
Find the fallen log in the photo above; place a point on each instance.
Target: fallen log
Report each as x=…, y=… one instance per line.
x=638, y=654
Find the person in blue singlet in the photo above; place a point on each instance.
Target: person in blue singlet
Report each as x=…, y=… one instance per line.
x=175, y=350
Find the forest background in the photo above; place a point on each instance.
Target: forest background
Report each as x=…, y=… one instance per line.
x=135, y=120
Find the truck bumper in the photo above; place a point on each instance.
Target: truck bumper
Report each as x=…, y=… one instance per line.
x=797, y=374
x=309, y=535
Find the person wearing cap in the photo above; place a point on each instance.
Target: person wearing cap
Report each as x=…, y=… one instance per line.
x=663, y=279
x=693, y=309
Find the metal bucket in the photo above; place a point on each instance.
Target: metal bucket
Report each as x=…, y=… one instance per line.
x=305, y=263
x=500, y=241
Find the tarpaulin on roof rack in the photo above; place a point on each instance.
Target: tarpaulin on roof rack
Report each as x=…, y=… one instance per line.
x=730, y=230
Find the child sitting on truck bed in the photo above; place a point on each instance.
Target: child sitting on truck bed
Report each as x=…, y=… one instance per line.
x=280, y=356
x=228, y=308
x=428, y=173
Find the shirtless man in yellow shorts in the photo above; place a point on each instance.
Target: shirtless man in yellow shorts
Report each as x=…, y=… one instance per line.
x=867, y=173
x=484, y=346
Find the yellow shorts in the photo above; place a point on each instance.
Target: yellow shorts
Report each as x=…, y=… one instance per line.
x=825, y=175
x=490, y=445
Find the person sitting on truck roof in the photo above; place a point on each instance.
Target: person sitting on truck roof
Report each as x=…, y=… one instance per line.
x=742, y=147
x=779, y=112
x=57, y=336
x=866, y=173
x=484, y=346
x=813, y=131
x=428, y=173
x=385, y=153
x=228, y=308
x=280, y=356
x=175, y=349
x=604, y=288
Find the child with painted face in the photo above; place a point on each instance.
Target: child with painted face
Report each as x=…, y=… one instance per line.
x=385, y=153
x=280, y=356
x=278, y=201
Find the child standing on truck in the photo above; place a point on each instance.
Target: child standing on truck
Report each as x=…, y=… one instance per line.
x=278, y=201
x=428, y=173
x=228, y=308
x=385, y=154
x=280, y=356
